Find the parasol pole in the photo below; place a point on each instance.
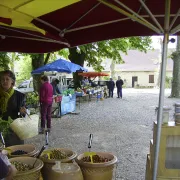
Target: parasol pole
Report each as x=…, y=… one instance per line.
x=162, y=85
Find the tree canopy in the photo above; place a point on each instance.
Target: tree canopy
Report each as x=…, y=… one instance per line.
x=95, y=53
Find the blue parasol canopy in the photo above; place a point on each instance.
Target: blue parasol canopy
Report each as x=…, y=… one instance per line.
x=59, y=65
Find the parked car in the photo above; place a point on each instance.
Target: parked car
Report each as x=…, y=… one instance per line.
x=26, y=86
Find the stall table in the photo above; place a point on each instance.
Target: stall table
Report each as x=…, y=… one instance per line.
x=64, y=105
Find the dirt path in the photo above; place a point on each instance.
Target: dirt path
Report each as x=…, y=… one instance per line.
x=121, y=126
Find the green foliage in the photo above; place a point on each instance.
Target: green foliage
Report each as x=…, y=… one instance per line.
x=4, y=61
x=5, y=126
x=140, y=43
x=68, y=91
x=63, y=53
x=106, y=78
x=24, y=69
x=168, y=82
x=110, y=49
x=32, y=99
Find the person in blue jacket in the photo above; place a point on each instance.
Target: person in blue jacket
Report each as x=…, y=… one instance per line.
x=111, y=85
x=56, y=89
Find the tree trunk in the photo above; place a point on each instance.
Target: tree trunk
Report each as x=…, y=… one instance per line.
x=77, y=58
x=37, y=61
x=13, y=57
x=113, y=72
x=175, y=91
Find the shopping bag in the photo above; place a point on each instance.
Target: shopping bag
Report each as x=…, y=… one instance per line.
x=25, y=128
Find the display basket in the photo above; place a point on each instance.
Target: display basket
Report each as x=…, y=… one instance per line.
x=26, y=128
x=57, y=99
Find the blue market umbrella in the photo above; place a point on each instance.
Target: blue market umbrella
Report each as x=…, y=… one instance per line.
x=60, y=65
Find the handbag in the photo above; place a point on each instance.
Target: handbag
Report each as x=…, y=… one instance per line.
x=26, y=128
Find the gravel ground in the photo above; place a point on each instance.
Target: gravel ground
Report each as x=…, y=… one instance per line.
x=121, y=126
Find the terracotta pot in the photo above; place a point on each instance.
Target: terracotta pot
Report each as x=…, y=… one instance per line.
x=98, y=171
x=47, y=172
x=29, y=148
x=33, y=174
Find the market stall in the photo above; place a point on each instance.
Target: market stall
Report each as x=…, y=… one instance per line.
x=65, y=102
x=91, y=88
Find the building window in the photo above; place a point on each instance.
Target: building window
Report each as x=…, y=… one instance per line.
x=151, y=78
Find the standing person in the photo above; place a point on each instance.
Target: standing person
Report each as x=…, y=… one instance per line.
x=119, y=84
x=56, y=89
x=91, y=83
x=12, y=104
x=85, y=81
x=46, y=99
x=111, y=85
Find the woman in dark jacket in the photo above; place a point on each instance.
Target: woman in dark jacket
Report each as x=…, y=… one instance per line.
x=12, y=103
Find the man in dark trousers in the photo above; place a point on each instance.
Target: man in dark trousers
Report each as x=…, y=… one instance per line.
x=111, y=85
x=119, y=84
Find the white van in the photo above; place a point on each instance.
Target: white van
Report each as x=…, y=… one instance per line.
x=26, y=86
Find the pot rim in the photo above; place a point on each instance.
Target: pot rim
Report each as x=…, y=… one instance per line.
x=73, y=156
x=103, y=164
